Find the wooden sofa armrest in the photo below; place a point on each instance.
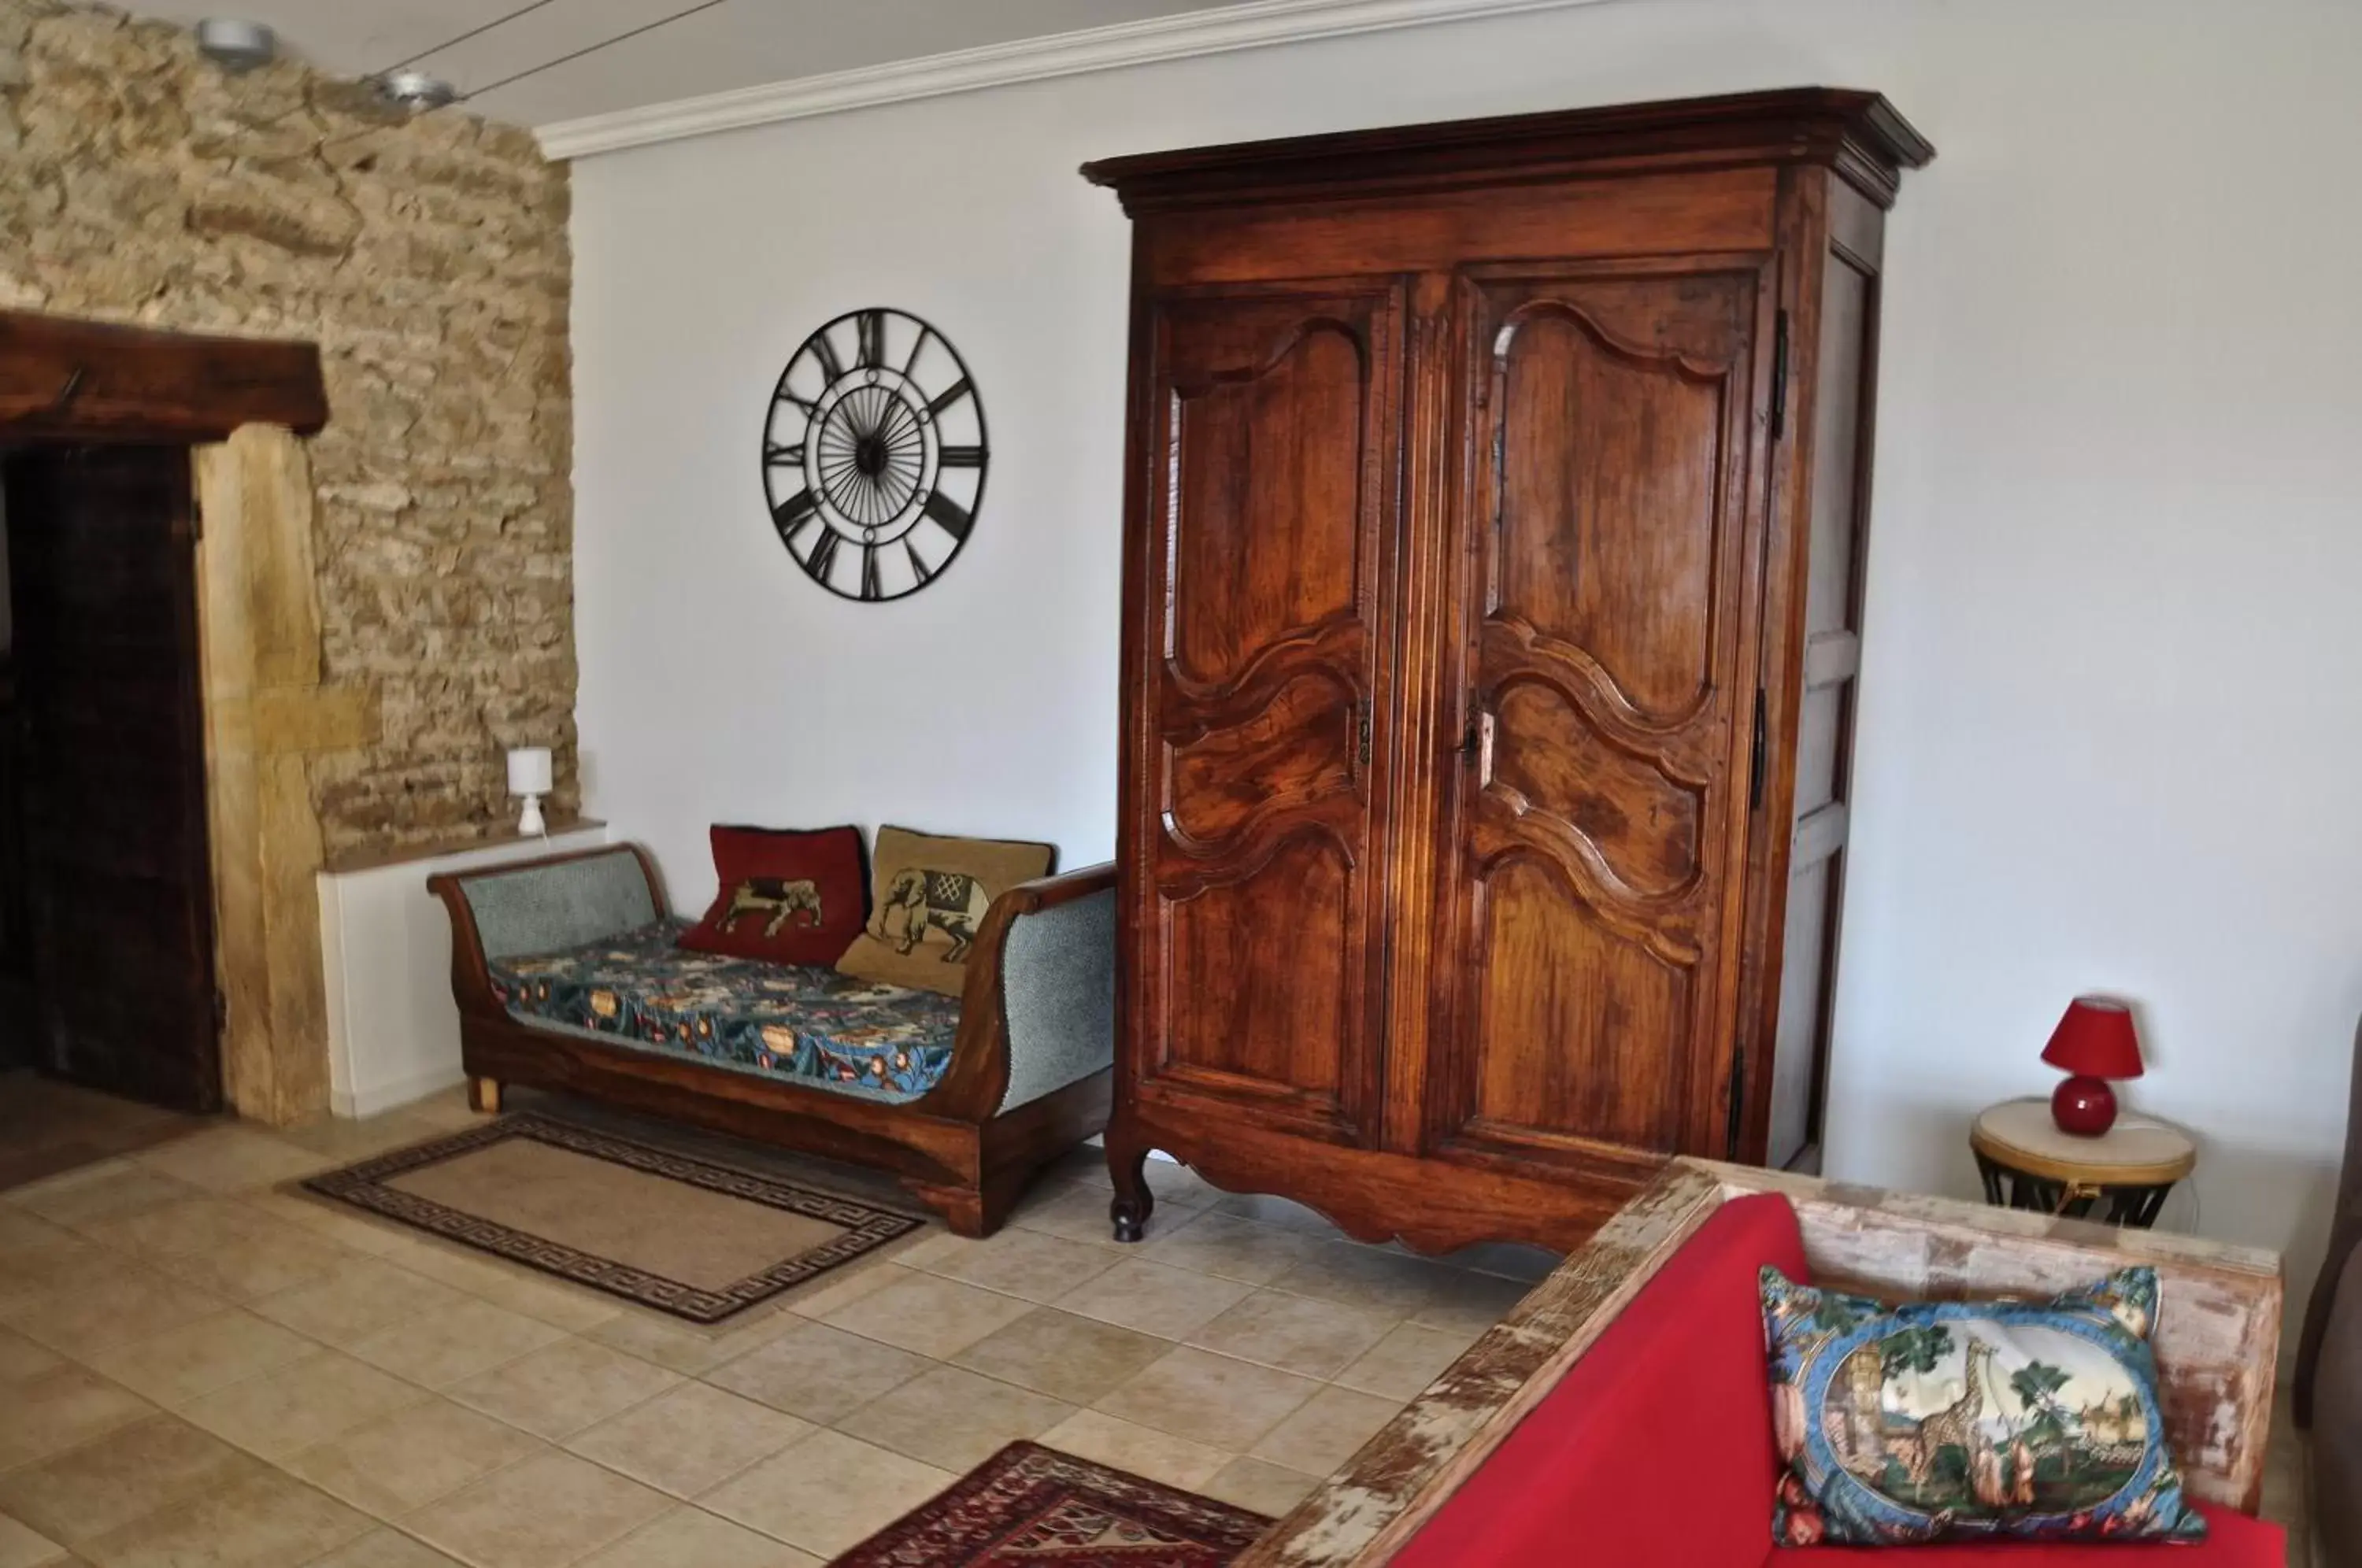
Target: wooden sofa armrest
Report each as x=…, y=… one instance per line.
x=472, y=975
x=978, y=1077
x=2217, y=1338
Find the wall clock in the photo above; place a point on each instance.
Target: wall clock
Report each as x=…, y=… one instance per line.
x=874, y=455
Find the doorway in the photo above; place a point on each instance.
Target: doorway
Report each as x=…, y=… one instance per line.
x=107, y=930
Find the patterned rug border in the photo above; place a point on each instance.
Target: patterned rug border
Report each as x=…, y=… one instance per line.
x=866, y=1226
x=927, y=1536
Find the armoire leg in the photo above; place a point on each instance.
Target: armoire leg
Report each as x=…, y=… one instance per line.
x=1128, y=1169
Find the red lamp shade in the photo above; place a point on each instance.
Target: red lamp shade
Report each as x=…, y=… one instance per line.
x=2096, y=1040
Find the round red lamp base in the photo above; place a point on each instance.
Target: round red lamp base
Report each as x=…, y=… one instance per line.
x=2084, y=1106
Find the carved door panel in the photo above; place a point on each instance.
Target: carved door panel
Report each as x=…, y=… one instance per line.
x=1593, y=835
x=1254, y=863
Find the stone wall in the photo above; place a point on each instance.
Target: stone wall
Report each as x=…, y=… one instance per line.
x=427, y=257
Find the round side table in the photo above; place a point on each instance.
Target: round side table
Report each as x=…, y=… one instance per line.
x=2028, y=1163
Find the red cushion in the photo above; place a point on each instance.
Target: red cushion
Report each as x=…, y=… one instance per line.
x=1656, y=1446
x=2233, y=1540
x=798, y=897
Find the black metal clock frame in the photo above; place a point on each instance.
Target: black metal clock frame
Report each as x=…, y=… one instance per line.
x=869, y=469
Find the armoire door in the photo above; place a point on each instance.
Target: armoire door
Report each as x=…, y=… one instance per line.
x=1584, y=995
x=1253, y=869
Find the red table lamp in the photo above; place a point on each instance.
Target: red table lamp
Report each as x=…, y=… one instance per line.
x=2094, y=1043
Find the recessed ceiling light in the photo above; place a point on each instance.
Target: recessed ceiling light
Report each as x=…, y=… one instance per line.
x=416, y=90
x=235, y=44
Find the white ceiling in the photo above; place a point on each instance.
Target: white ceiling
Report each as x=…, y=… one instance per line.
x=731, y=43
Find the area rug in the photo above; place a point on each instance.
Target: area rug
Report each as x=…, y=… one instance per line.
x=685, y=1236
x=1029, y=1506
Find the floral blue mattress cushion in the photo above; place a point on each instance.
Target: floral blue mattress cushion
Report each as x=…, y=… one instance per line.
x=638, y=988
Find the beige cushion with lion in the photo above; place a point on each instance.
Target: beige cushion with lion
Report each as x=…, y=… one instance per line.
x=929, y=895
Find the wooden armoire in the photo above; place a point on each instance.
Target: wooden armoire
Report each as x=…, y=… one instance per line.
x=1495, y=506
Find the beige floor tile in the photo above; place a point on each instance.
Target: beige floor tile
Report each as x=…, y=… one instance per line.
x=21, y=1359
x=1268, y=1209
x=98, y=1193
x=60, y=1408
x=1067, y=1357
x=363, y=1297
x=302, y=1405
x=1217, y=1243
x=1473, y=1303
x=1209, y=1398
x=349, y=1228
x=199, y=1222
x=107, y=1309
x=388, y=1548
x=689, y=1538
x=64, y=1262
x=827, y=1493
x=1142, y=1451
x=263, y=1520
x=1024, y=1263
x=251, y=1269
x=1155, y=1299
x=1080, y=1214
x=685, y=1347
x=1402, y=1364
x=842, y=1287
x=80, y=1494
x=1511, y=1260
x=1260, y=1487
x=932, y=1315
x=441, y=1347
x=954, y=1419
x=1325, y=1431
x=551, y=1510
x=818, y=1372
x=561, y=1388
x=691, y=1439
x=233, y=1159
x=1378, y=1278
x=349, y=1140
x=1293, y=1334
x=405, y=1461
x=188, y=1362
x=21, y=1546
x=575, y=1308
x=23, y=1231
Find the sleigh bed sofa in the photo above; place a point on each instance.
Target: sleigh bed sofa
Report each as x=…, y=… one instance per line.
x=568, y=977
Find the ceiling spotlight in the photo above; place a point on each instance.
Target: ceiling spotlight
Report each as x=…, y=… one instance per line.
x=235, y=44
x=416, y=90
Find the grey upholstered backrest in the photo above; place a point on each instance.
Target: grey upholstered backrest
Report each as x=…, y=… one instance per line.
x=1058, y=981
x=541, y=909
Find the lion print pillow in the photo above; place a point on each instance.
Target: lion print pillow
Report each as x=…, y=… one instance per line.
x=1961, y=1419
x=928, y=898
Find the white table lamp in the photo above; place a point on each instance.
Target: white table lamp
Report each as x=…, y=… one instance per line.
x=529, y=776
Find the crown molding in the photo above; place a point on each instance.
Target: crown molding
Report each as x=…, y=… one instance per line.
x=1257, y=24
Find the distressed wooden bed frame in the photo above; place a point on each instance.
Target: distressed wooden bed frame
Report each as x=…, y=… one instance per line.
x=2217, y=1338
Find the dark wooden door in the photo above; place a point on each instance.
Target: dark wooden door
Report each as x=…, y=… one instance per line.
x=1584, y=986
x=117, y=884
x=1260, y=637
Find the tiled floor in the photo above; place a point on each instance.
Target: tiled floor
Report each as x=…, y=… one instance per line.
x=195, y=1367
x=47, y=1127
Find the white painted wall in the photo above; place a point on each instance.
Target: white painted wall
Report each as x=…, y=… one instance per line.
x=2109, y=736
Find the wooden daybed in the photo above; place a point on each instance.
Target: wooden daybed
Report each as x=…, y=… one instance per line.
x=1029, y=1075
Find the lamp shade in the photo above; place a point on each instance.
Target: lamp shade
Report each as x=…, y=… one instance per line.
x=2095, y=1039
x=529, y=770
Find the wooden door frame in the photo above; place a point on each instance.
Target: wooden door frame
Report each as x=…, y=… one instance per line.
x=241, y=407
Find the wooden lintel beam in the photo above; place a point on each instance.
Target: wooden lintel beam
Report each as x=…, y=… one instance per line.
x=65, y=380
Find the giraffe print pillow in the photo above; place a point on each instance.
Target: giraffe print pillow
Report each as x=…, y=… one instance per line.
x=1961, y=1419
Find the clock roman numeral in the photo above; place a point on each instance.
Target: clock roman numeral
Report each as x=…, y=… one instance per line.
x=918, y=563
x=948, y=396
x=870, y=328
x=831, y=367
x=870, y=587
x=794, y=513
x=775, y=453
x=807, y=404
x=918, y=348
x=963, y=457
x=824, y=553
x=949, y=515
